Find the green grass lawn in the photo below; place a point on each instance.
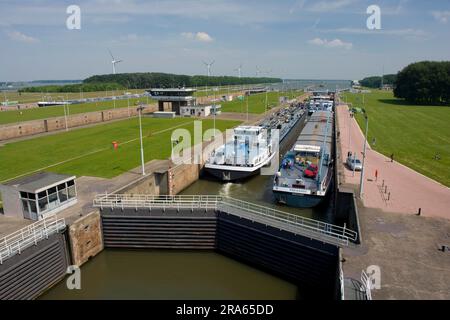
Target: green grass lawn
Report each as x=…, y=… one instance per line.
x=15, y=116
x=414, y=134
x=30, y=97
x=90, y=150
x=256, y=102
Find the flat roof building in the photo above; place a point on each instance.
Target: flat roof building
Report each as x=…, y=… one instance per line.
x=200, y=110
x=173, y=99
x=37, y=196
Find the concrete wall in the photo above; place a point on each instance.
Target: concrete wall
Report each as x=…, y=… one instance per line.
x=155, y=184
x=86, y=238
x=347, y=211
x=12, y=206
x=181, y=177
x=29, y=128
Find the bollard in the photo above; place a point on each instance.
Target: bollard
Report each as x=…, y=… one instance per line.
x=420, y=212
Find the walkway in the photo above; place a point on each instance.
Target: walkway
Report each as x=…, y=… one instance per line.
x=407, y=190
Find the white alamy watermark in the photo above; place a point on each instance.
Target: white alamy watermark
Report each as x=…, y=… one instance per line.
x=374, y=20
x=374, y=274
x=199, y=147
x=73, y=21
x=73, y=282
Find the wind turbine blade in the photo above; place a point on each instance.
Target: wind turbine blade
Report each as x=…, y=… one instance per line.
x=111, y=55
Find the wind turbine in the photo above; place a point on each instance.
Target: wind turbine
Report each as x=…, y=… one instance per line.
x=114, y=62
x=208, y=66
x=257, y=71
x=239, y=69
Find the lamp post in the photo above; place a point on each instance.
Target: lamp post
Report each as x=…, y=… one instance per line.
x=361, y=183
x=139, y=109
x=65, y=113
x=214, y=106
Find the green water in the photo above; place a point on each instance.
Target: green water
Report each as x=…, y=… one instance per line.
x=120, y=274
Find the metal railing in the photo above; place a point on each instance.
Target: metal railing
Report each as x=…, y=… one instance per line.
x=126, y=201
x=366, y=285
x=290, y=222
x=16, y=242
x=282, y=220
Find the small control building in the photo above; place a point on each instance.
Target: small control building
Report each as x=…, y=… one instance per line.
x=38, y=196
x=173, y=99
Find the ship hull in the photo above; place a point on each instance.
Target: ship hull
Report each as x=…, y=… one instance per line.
x=230, y=175
x=298, y=200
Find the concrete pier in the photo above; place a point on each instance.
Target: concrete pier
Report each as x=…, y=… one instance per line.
x=404, y=245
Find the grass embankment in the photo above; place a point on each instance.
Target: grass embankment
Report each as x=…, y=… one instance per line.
x=30, y=97
x=414, y=134
x=257, y=102
x=15, y=116
x=89, y=151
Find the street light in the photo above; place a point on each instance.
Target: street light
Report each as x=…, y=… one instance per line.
x=65, y=113
x=361, y=183
x=139, y=109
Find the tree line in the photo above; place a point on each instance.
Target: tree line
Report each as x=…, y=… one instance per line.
x=166, y=80
x=375, y=82
x=426, y=82
x=85, y=87
x=146, y=81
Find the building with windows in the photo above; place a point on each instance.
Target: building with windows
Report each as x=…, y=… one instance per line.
x=38, y=196
x=200, y=110
x=173, y=99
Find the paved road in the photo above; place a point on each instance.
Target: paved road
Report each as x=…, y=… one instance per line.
x=408, y=189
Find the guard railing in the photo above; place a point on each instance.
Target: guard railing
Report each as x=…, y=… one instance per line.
x=16, y=242
x=311, y=228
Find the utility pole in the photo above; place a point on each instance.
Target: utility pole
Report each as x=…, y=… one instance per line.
x=247, y=106
x=139, y=109
x=65, y=113
x=214, y=106
x=361, y=183
x=266, y=100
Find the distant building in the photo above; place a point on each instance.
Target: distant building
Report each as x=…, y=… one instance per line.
x=173, y=99
x=387, y=87
x=182, y=102
x=38, y=196
x=200, y=110
x=255, y=91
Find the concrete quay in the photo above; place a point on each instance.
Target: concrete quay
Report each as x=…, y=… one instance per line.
x=405, y=246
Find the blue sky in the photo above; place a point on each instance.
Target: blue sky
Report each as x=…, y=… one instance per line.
x=307, y=39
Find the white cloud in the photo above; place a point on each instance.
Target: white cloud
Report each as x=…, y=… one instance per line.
x=330, y=5
x=199, y=36
x=441, y=16
x=20, y=37
x=336, y=43
x=203, y=36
